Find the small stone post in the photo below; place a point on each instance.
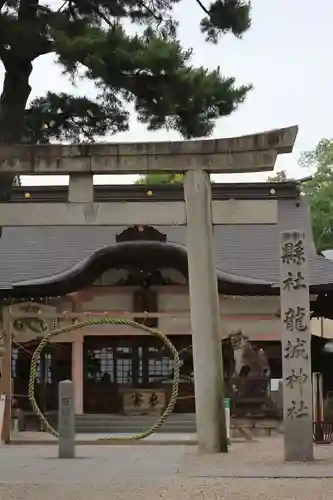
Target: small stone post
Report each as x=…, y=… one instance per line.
x=66, y=420
x=296, y=348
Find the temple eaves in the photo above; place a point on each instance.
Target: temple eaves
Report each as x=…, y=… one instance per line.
x=249, y=153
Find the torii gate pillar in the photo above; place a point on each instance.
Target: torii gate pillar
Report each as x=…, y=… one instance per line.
x=207, y=347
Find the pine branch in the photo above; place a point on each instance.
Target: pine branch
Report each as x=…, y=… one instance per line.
x=100, y=14
x=66, y=117
x=225, y=16
x=97, y=11
x=63, y=5
x=27, y=10
x=201, y=5
x=148, y=9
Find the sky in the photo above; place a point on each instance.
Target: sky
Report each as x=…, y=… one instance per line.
x=286, y=55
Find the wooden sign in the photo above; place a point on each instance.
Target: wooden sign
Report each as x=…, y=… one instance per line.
x=143, y=401
x=31, y=319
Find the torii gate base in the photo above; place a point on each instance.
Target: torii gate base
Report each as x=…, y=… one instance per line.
x=197, y=159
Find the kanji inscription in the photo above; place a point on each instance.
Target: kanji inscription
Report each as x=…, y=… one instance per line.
x=297, y=378
x=294, y=282
x=143, y=401
x=297, y=410
x=137, y=399
x=153, y=400
x=296, y=347
x=294, y=319
x=293, y=252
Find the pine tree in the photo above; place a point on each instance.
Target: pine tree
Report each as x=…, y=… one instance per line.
x=280, y=176
x=158, y=179
x=149, y=69
x=319, y=191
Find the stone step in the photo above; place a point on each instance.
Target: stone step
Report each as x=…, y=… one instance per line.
x=127, y=424
x=175, y=423
x=116, y=417
x=133, y=430
x=138, y=420
x=134, y=423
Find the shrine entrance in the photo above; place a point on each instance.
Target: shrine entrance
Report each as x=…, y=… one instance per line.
x=114, y=365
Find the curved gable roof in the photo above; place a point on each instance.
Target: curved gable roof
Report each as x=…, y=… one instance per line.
x=148, y=255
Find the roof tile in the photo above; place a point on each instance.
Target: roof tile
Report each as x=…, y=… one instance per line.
x=246, y=250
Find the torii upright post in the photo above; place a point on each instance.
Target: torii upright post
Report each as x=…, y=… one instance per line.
x=199, y=158
x=205, y=316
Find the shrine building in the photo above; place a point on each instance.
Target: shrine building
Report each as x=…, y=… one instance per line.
x=143, y=269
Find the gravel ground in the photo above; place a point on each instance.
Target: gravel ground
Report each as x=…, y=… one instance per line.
x=175, y=472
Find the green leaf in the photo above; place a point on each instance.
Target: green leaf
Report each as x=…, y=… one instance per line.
x=64, y=117
x=226, y=16
x=319, y=190
x=158, y=179
x=280, y=176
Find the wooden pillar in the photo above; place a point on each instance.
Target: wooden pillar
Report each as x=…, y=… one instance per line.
x=205, y=318
x=42, y=386
x=317, y=397
x=77, y=374
x=296, y=348
x=6, y=376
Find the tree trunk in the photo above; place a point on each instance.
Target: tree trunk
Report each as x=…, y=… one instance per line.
x=13, y=101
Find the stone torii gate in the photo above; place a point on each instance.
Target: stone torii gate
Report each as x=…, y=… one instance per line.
x=197, y=159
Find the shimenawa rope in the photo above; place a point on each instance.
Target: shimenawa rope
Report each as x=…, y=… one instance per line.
x=102, y=321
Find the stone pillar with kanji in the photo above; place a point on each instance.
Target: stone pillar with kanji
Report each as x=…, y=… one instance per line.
x=296, y=348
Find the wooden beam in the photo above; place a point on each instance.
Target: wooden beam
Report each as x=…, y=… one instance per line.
x=133, y=213
x=250, y=153
x=130, y=315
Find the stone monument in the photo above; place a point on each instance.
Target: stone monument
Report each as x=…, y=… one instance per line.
x=296, y=348
x=66, y=420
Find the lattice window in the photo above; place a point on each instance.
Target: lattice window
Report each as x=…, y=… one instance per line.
x=100, y=365
x=39, y=379
x=159, y=368
x=124, y=371
x=47, y=378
